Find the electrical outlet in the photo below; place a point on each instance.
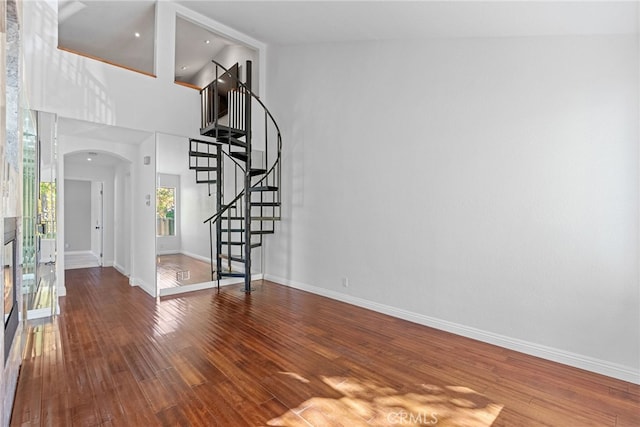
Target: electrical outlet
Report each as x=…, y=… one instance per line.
x=345, y=282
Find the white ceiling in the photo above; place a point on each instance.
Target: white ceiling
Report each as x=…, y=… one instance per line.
x=90, y=130
x=290, y=22
x=192, y=50
x=97, y=158
x=106, y=28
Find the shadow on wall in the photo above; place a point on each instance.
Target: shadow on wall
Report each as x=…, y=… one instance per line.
x=71, y=71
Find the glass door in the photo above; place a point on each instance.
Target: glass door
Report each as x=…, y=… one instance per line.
x=39, y=214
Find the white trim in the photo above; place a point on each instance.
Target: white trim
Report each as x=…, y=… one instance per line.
x=141, y=284
x=196, y=256
x=78, y=253
x=625, y=373
x=120, y=269
x=39, y=313
x=86, y=259
x=82, y=265
x=206, y=285
x=62, y=290
x=169, y=252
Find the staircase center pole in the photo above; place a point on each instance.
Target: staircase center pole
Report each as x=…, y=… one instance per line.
x=219, y=189
x=247, y=182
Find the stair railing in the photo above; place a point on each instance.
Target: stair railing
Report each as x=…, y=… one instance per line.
x=239, y=117
x=273, y=175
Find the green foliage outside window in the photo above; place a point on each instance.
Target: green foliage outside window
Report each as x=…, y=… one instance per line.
x=165, y=211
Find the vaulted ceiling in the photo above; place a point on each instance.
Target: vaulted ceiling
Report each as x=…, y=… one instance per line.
x=123, y=31
x=287, y=22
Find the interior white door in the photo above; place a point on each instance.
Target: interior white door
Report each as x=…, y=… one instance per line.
x=97, y=216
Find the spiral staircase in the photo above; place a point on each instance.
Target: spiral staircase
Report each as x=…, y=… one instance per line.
x=241, y=166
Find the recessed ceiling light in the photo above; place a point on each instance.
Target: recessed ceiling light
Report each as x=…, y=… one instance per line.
x=207, y=41
x=89, y=158
x=184, y=67
x=137, y=34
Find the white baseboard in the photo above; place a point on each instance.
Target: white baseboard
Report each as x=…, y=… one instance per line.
x=62, y=291
x=120, y=269
x=39, y=313
x=141, y=284
x=625, y=373
x=169, y=252
x=80, y=259
x=81, y=265
x=206, y=285
x=196, y=256
x=78, y=253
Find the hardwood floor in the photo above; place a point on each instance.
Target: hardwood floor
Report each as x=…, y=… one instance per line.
x=178, y=270
x=282, y=357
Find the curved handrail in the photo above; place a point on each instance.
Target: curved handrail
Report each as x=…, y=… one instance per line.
x=264, y=107
x=218, y=214
x=233, y=160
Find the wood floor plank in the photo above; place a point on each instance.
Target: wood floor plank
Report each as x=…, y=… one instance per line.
x=117, y=357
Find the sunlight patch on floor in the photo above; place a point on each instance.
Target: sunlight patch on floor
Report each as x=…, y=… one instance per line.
x=365, y=403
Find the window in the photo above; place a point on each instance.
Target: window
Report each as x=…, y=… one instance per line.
x=165, y=211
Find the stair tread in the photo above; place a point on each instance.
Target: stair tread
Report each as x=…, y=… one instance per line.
x=233, y=243
x=264, y=188
x=203, y=168
x=239, y=155
x=199, y=141
x=266, y=204
x=231, y=274
x=241, y=230
x=253, y=218
x=201, y=154
x=232, y=258
x=205, y=181
x=222, y=129
x=257, y=171
x=226, y=139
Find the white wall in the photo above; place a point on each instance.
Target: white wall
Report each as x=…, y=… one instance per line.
x=77, y=221
x=143, y=268
x=484, y=186
x=77, y=87
x=122, y=219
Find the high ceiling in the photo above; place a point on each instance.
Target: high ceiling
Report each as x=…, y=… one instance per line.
x=195, y=47
x=107, y=29
x=123, y=32
x=289, y=22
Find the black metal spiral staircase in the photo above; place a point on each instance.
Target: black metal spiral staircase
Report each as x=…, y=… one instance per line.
x=242, y=159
